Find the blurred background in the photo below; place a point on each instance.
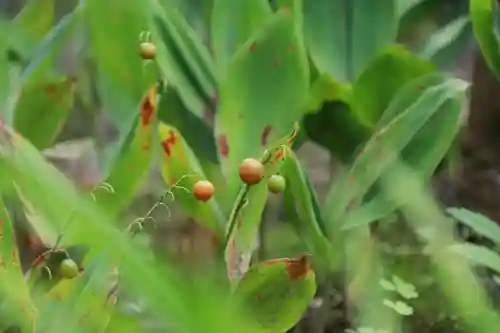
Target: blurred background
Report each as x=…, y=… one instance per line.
x=476, y=185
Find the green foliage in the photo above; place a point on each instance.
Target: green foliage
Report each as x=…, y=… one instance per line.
x=280, y=74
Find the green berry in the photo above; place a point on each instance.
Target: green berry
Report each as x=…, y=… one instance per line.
x=68, y=269
x=276, y=183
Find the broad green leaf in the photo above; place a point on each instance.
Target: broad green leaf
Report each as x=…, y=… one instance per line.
x=408, y=119
x=337, y=128
x=478, y=255
x=325, y=89
x=181, y=170
x=42, y=110
x=303, y=197
x=122, y=76
x=477, y=222
x=444, y=37
x=481, y=14
x=232, y=24
x=246, y=214
x=16, y=302
x=263, y=95
x=36, y=18
x=374, y=89
x=277, y=292
x=133, y=165
x=342, y=36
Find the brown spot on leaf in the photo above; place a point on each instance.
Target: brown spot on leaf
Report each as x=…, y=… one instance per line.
x=292, y=48
x=276, y=63
x=280, y=155
x=252, y=47
x=147, y=108
x=223, y=145
x=299, y=267
x=169, y=142
x=51, y=90
x=265, y=135
x=286, y=10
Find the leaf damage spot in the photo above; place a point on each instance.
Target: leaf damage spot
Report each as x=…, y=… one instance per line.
x=148, y=108
x=299, y=267
x=223, y=145
x=292, y=48
x=252, y=47
x=169, y=142
x=265, y=135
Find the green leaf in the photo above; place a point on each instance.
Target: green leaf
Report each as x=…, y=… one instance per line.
x=45, y=55
x=303, y=202
x=246, y=215
x=406, y=290
x=85, y=299
x=181, y=170
x=407, y=124
x=478, y=255
x=263, y=95
x=232, y=24
x=43, y=109
x=122, y=76
x=342, y=36
x=444, y=37
x=36, y=18
x=481, y=14
x=133, y=165
x=277, y=292
x=405, y=6
x=400, y=307
x=183, y=59
x=374, y=89
x=197, y=133
x=477, y=222
x=43, y=185
x=337, y=128
x=16, y=300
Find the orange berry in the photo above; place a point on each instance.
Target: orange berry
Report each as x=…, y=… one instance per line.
x=147, y=50
x=203, y=190
x=251, y=171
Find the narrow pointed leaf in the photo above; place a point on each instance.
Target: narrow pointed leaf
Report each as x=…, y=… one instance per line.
x=402, y=123
x=134, y=162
